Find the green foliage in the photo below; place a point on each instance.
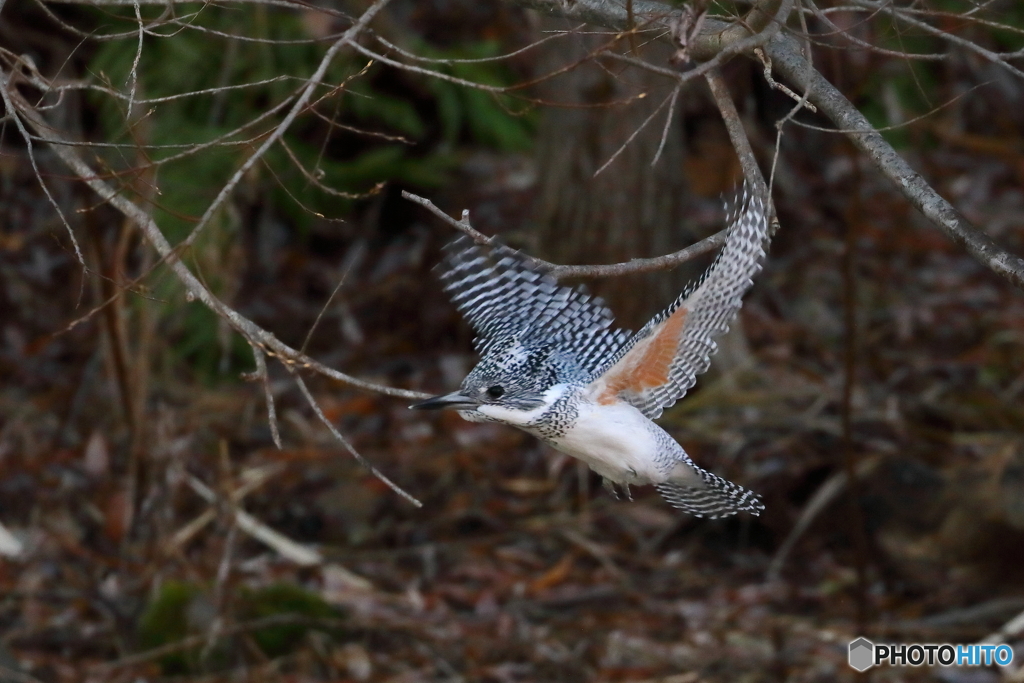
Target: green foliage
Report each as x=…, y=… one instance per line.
x=919, y=87
x=1011, y=14
x=182, y=63
x=491, y=118
x=908, y=90
x=191, y=61
x=277, y=599
x=199, y=346
x=434, y=119
x=166, y=621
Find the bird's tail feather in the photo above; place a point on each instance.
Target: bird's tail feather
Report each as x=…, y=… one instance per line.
x=718, y=497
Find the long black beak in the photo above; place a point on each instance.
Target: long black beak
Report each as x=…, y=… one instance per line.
x=453, y=400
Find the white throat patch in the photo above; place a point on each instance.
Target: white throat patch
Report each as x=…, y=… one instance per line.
x=519, y=418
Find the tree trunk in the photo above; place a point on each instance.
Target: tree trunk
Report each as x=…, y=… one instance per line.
x=631, y=209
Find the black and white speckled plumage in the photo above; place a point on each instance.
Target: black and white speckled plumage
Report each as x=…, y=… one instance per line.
x=711, y=302
x=503, y=297
x=713, y=498
x=550, y=349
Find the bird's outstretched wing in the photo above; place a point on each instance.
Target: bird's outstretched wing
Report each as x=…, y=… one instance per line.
x=502, y=296
x=661, y=362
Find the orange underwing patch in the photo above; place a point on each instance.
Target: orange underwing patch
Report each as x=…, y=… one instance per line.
x=647, y=364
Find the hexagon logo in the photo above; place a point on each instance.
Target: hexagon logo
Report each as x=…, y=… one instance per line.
x=862, y=654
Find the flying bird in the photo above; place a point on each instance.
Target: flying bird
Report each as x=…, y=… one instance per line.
x=553, y=364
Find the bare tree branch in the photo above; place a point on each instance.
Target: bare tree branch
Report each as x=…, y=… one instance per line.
x=252, y=332
x=738, y=136
x=291, y=4
x=968, y=45
x=786, y=56
x=460, y=225
x=347, y=38
x=646, y=265
x=286, y=547
x=669, y=118
x=717, y=37
x=785, y=53
x=264, y=377
x=657, y=110
x=345, y=442
x=9, y=95
x=259, y=338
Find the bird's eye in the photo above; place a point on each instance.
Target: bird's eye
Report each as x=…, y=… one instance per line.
x=495, y=391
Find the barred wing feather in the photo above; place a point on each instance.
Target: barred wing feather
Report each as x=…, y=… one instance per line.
x=661, y=362
x=502, y=296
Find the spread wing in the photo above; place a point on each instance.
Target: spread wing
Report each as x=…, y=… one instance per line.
x=661, y=362
x=502, y=296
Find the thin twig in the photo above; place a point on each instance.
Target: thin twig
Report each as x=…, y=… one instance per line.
x=133, y=75
x=376, y=189
x=252, y=479
x=314, y=81
x=779, y=126
x=669, y=118
x=219, y=590
x=284, y=546
x=449, y=61
x=647, y=265
x=788, y=61
x=639, y=129
x=848, y=35
x=822, y=498
x=348, y=446
x=766, y=63
x=264, y=377
x=896, y=126
x=9, y=95
x=966, y=44
x=738, y=136
x=460, y=225
x=594, y=550
x=350, y=260
x=808, y=52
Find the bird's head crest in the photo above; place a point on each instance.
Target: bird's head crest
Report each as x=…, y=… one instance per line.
x=515, y=375
x=513, y=383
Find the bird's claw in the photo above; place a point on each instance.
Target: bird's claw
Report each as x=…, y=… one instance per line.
x=610, y=487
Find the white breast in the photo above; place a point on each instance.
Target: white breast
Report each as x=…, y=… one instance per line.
x=617, y=441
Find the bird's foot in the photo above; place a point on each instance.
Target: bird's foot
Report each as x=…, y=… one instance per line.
x=625, y=489
x=613, y=490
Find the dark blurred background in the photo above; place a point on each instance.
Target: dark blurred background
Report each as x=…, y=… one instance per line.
x=130, y=438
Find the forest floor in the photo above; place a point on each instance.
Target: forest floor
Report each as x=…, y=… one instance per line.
x=186, y=546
